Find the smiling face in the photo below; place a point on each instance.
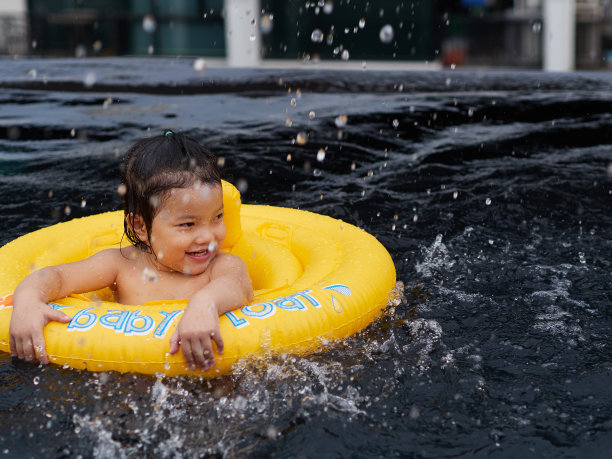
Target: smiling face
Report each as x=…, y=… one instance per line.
x=188, y=229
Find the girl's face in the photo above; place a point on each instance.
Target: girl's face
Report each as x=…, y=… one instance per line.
x=188, y=229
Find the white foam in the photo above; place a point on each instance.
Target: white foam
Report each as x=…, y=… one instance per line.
x=436, y=258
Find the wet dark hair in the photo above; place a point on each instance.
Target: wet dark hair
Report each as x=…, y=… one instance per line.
x=154, y=166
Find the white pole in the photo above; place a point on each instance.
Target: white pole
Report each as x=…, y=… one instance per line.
x=559, y=44
x=242, y=36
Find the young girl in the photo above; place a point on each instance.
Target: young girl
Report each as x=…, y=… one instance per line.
x=173, y=203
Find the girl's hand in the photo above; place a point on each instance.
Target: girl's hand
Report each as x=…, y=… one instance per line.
x=26, y=338
x=195, y=332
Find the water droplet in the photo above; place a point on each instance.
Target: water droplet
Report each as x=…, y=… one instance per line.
x=488, y=201
x=395, y=123
x=609, y=170
x=353, y=166
x=301, y=138
x=317, y=36
x=36, y=380
x=65, y=366
x=89, y=79
x=582, y=258
x=414, y=413
x=471, y=112
x=341, y=121
x=266, y=23
x=311, y=115
x=345, y=55
x=167, y=365
x=220, y=161
x=288, y=122
x=455, y=194
x=288, y=157
x=212, y=246
x=415, y=218
x=293, y=102
x=80, y=51
x=151, y=49
x=83, y=203
x=34, y=44
x=121, y=190
x=328, y=7
x=242, y=185
x=448, y=81
x=316, y=172
x=97, y=46
x=149, y=275
x=67, y=210
x=149, y=24
x=386, y=34
x=252, y=37
x=32, y=73
x=362, y=23
x=199, y=64
x=321, y=155
x=536, y=27
x=272, y=433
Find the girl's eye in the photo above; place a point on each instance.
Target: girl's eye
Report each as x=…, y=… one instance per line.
x=186, y=224
x=219, y=217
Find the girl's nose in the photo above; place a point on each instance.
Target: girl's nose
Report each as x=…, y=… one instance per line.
x=204, y=235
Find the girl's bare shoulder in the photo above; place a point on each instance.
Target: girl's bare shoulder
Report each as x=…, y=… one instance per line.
x=119, y=259
x=226, y=263
x=114, y=254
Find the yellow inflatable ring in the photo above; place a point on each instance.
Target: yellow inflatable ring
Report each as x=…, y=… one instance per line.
x=315, y=278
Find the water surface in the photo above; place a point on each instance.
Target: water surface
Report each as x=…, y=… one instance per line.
x=491, y=190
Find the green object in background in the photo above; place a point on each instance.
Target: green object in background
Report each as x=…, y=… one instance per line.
x=184, y=27
x=354, y=26
x=181, y=27
x=349, y=29
x=61, y=27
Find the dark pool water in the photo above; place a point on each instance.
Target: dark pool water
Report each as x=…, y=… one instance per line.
x=491, y=190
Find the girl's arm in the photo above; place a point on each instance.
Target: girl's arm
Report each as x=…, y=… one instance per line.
x=31, y=311
x=229, y=288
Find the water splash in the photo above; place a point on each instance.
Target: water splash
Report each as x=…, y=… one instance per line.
x=149, y=23
x=266, y=23
x=341, y=121
x=317, y=36
x=436, y=259
x=386, y=34
x=199, y=64
x=149, y=275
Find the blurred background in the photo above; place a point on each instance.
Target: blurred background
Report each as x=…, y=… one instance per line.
x=491, y=33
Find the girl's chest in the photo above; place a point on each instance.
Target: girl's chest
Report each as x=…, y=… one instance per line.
x=138, y=286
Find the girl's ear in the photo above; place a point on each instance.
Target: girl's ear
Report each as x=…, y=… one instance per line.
x=136, y=222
